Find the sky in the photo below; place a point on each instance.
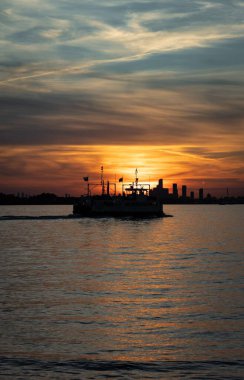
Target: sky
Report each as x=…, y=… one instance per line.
x=156, y=85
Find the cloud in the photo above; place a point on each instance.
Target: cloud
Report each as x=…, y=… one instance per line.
x=144, y=73
x=72, y=32
x=119, y=110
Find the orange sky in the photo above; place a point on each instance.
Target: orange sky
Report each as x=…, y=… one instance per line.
x=60, y=169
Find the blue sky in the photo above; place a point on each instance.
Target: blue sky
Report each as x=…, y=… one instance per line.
x=132, y=73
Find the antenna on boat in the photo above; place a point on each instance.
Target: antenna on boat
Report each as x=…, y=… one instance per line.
x=102, y=180
x=136, y=177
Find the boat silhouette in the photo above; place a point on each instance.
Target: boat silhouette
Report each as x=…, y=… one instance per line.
x=135, y=201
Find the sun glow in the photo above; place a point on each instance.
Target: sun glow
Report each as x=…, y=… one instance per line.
x=60, y=169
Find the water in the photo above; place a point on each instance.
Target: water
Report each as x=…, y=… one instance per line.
x=128, y=299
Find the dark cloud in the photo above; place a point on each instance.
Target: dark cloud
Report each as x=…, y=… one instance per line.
x=205, y=152
x=227, y=54
x=62, y=119
x=91, y=118
x=31, y=35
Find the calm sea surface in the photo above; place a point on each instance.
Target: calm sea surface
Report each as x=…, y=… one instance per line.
x=127, y=299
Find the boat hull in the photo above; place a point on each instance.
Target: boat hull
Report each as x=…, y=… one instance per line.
x=118, y=208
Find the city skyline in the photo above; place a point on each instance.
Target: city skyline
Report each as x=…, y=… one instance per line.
x=176, y=189
x=156, y=86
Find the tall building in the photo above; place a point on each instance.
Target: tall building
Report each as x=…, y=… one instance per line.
x=175, y=190
x=160, y=192
x=160, y=184
x=192, y=196
x=184, y=190
x=201, y=194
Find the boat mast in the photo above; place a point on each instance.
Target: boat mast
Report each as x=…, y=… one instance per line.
x=136, y=177
x=102, y=180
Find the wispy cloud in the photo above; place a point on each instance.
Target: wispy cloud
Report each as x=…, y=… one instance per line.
x=52, y=29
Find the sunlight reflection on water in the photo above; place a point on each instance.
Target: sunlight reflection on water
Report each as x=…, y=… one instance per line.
x=155, y=290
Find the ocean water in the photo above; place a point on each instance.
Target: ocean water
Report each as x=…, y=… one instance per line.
x=122, y=298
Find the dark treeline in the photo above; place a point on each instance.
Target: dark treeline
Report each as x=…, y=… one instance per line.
x=53, y=199
x=39, y=199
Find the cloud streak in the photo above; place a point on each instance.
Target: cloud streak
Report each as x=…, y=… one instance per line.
x=135, y=35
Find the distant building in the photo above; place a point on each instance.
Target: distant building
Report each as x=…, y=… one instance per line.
x=201, y=194
x=192, y=196
x=160, y=192
x=175, y=191
x=160, y=184
x=184, y=190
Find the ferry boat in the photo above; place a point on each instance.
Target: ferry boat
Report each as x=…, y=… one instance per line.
x=134, y=201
